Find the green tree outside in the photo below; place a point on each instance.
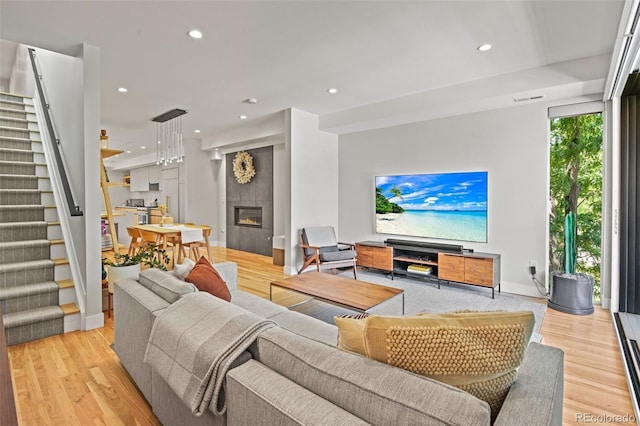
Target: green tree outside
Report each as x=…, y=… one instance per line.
x=576, y=158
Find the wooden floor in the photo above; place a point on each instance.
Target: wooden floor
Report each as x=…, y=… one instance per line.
x=77, y=379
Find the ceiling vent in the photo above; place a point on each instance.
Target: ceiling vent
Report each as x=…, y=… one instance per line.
x=529, y=98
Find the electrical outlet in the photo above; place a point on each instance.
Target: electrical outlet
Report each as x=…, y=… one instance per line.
x=532, y=267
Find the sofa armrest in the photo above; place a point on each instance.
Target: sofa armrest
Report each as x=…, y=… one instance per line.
x=537, y=393
x=134, y=312
x=257, y=395
x=229, y=273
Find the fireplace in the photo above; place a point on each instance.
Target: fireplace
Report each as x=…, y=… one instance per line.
x=248, y=216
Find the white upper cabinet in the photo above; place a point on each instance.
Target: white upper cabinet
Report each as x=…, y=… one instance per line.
x=139, y=179
x=155, y=174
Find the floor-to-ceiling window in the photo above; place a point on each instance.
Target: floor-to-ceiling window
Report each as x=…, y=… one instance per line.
x=575, y=193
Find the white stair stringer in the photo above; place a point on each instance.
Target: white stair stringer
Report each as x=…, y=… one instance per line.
x=56, y=215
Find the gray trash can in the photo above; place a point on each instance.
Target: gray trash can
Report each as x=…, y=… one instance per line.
x=571, y=293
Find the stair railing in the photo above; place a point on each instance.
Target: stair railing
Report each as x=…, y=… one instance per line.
x=74, y=209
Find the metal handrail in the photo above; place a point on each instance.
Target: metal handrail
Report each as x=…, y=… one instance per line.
x=73, y=208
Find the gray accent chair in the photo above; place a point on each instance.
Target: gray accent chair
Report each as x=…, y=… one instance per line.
x=321, y=247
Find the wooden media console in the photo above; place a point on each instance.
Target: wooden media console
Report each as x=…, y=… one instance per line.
x=431, y=261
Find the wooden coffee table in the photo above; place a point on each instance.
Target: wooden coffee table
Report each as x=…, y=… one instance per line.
x=351, y=294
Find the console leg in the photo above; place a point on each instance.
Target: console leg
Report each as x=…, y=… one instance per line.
x=493, y=293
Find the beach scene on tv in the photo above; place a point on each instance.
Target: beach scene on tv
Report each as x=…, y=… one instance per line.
x=451, y=206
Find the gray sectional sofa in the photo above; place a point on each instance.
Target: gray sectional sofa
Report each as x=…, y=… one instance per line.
x=293, y=373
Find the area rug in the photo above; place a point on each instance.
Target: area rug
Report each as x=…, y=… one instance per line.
x=424, y=296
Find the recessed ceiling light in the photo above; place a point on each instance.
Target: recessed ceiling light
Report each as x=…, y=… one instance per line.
x=484, y=47
x=128, y=152
x=122, y=89
x=159, y=142
x=251, y=101
x=243, y=117
x=143, y=147
x=197, y=131
x=333, y=90
x=195, y=34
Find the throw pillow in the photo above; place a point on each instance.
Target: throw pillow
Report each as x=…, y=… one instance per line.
x=181, y=270
x=478, y=352
x=206, y=278
x=351, y=332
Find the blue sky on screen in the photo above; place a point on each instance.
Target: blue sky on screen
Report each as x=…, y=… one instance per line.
x=442, y=191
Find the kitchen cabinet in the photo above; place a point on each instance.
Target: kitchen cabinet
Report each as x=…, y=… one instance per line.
x=155, y=174
x=143, y=176
x=139, y=179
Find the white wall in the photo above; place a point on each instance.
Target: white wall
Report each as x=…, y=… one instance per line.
x=511, y=144
x=279, y=190
x=200, y=189
x=313, y=180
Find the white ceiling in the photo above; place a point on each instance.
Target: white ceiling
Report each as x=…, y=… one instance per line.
x=386, y=58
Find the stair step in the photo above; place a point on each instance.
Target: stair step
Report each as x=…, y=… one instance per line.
x=20, y=197
x=15, y=143
x=22, y=251
x=25, y=326
x=12, y=112
x=60, y=261
x=70, y=308
x=14, y=132
x=32, y=271
x=9, y=181
x=13, y=168
x=12, y=99
x=14, y=123
x=29, y=296
x=21, y=213
x=66, y=283
x=23, y=231
x=12, y=154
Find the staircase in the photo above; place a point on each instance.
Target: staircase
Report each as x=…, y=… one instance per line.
x=36, y=293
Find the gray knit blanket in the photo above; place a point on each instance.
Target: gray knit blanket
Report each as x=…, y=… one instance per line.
x=193, y=344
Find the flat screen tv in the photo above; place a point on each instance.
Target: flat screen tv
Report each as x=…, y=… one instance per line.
x=450, y=206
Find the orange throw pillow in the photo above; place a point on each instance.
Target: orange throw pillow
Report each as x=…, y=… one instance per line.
x=206, y=278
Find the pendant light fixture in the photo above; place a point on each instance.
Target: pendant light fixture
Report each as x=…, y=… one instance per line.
x=169, y=146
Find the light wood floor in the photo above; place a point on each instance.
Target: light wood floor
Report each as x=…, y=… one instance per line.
x=77, y=379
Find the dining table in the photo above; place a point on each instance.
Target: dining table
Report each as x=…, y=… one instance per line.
x=188, y=233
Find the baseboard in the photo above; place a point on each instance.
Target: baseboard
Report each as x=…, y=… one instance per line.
x=93, y=321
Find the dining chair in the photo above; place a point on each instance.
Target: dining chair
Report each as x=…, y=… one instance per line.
x=195, y=246
x=136, y=240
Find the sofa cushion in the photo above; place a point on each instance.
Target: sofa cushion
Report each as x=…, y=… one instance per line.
x=255, y=304
x=478, y=352
x=336, y=256
x=371, y=390
x=206, y=278
x=164, y=284
x=181, y=270
x=257, y=395
x=307, y=326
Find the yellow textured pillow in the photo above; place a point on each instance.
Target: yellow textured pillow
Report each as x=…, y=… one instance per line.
x=477, y=352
